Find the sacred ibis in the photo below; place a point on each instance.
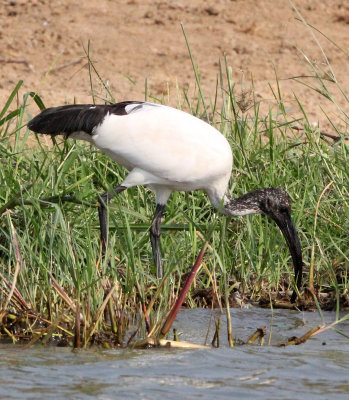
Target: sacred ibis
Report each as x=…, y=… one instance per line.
x=167, y=149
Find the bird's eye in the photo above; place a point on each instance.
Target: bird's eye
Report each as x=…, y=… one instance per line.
x=283, y=209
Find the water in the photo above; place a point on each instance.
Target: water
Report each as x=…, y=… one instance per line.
x=318, y=369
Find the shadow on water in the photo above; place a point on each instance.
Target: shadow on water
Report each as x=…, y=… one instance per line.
x=317, y=369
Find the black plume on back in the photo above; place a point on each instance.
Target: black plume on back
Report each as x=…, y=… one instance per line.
x=75, y=118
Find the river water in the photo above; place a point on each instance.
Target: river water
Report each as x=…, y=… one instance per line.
x=317, y=369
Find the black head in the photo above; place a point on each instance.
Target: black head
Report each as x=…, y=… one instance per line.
x=275, y=203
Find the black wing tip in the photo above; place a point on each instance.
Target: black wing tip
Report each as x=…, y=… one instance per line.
x=67, y=119
x=58, y=120
x=40, y=123
x=35, y=124
x=31, y=125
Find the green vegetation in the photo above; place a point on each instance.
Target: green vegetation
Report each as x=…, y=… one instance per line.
x=50, y=261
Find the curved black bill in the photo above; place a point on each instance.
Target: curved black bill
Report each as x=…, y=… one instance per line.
x=289, y=231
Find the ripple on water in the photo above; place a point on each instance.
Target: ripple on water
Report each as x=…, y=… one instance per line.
x=312, y=370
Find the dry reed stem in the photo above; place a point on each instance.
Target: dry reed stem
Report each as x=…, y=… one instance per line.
x=99, y=313
x=295, y=341
x=155, y=342
x=77, y=335
x=64, y=295
x=259, y=334
x=311, y=271
x=17, y=269
x=48, y=330
x=23, y=305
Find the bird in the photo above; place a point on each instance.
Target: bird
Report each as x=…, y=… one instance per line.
x=167, y=149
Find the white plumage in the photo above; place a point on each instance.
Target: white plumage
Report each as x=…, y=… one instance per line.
x=167, y=149
x=188, y=155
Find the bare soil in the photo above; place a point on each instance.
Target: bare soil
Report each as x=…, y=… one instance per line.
x=43, y=41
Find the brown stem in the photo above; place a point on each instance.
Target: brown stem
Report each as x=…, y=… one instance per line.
x=77, y=335
x=146, y=317
x=171, y=317
x=260, y=333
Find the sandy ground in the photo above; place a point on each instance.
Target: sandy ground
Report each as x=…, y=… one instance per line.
x=43, y=42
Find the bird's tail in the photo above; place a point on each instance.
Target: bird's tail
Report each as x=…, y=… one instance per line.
x=67, y=119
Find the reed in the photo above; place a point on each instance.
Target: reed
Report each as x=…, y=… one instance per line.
x=53, y=278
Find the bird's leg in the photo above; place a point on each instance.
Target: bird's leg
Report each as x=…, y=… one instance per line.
x=103, y=202
x=155, y=238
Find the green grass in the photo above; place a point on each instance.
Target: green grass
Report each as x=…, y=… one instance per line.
x=49, y=226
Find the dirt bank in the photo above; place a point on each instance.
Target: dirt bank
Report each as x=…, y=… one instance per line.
x=134, y=40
